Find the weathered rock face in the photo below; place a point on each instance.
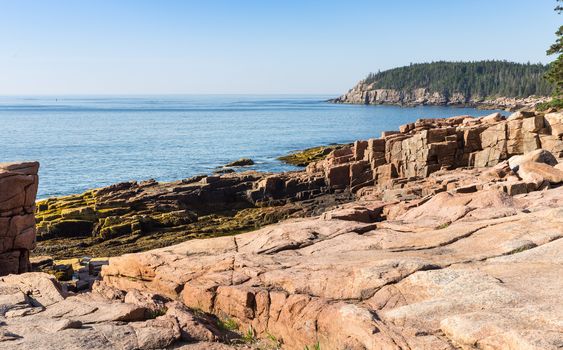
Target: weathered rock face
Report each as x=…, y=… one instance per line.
x=136, y=216
x=447, y=273
x=18, y=188
x=364, y=93
x=35, y=313
x=399, y=159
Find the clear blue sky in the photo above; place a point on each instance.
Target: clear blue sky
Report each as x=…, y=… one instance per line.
x=255, y=46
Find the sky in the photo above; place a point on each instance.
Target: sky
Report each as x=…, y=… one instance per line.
x=58, y=47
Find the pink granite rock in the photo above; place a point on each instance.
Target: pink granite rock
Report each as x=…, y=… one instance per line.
x=18, y=187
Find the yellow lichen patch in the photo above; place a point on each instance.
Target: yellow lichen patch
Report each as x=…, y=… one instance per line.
x=130, y=217
x=309, y=155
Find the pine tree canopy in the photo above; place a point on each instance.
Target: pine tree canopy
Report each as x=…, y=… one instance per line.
x=487, y=79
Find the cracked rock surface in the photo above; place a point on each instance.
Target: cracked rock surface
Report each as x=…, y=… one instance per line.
x=478, y=270
x=487, y=280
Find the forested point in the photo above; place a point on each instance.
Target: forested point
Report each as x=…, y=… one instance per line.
x=487, y=79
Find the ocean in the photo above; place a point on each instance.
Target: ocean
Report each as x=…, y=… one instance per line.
x=85, y=142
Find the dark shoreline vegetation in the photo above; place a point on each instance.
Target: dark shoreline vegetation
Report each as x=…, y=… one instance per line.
x=487, y=79
x=479, y=84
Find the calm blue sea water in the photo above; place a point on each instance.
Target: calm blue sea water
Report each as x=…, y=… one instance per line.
x=87, y=142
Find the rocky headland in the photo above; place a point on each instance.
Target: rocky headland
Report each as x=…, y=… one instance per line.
x=483, y=84
x=445, y=234
x=365, y=93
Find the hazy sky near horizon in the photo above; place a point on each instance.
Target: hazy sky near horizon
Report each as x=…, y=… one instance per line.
x=255, y=46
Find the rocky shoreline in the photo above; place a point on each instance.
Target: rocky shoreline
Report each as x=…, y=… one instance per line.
x=445, y=234
x=364, y=93
x=137, y=216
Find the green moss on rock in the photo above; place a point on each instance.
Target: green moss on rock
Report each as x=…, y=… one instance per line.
x=105, y=212
x=83, y=213
x=127, y=218
x=175, y=218
x=309, y=155
x=114, y=226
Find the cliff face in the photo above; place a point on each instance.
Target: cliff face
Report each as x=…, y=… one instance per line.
x=397, y=159
x=364, y=93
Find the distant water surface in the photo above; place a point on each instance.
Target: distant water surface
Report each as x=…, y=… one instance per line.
x=88, y=142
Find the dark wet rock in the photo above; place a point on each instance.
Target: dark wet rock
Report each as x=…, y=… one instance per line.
x=130, y=217
x=240, y=162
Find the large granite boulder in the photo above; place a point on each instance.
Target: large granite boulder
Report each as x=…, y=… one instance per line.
x=18, y=188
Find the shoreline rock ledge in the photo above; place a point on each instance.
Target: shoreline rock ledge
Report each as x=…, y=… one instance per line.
x=18, y=188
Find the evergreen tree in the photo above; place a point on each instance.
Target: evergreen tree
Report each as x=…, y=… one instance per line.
x=555, y=72
x=486, y=79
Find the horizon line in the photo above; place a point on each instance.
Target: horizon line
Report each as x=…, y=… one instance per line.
x=167, y=94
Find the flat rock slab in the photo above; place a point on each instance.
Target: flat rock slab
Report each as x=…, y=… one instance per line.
x=487, y=278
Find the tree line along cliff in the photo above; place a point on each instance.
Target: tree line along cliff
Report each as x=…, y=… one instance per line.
x=450, y=83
